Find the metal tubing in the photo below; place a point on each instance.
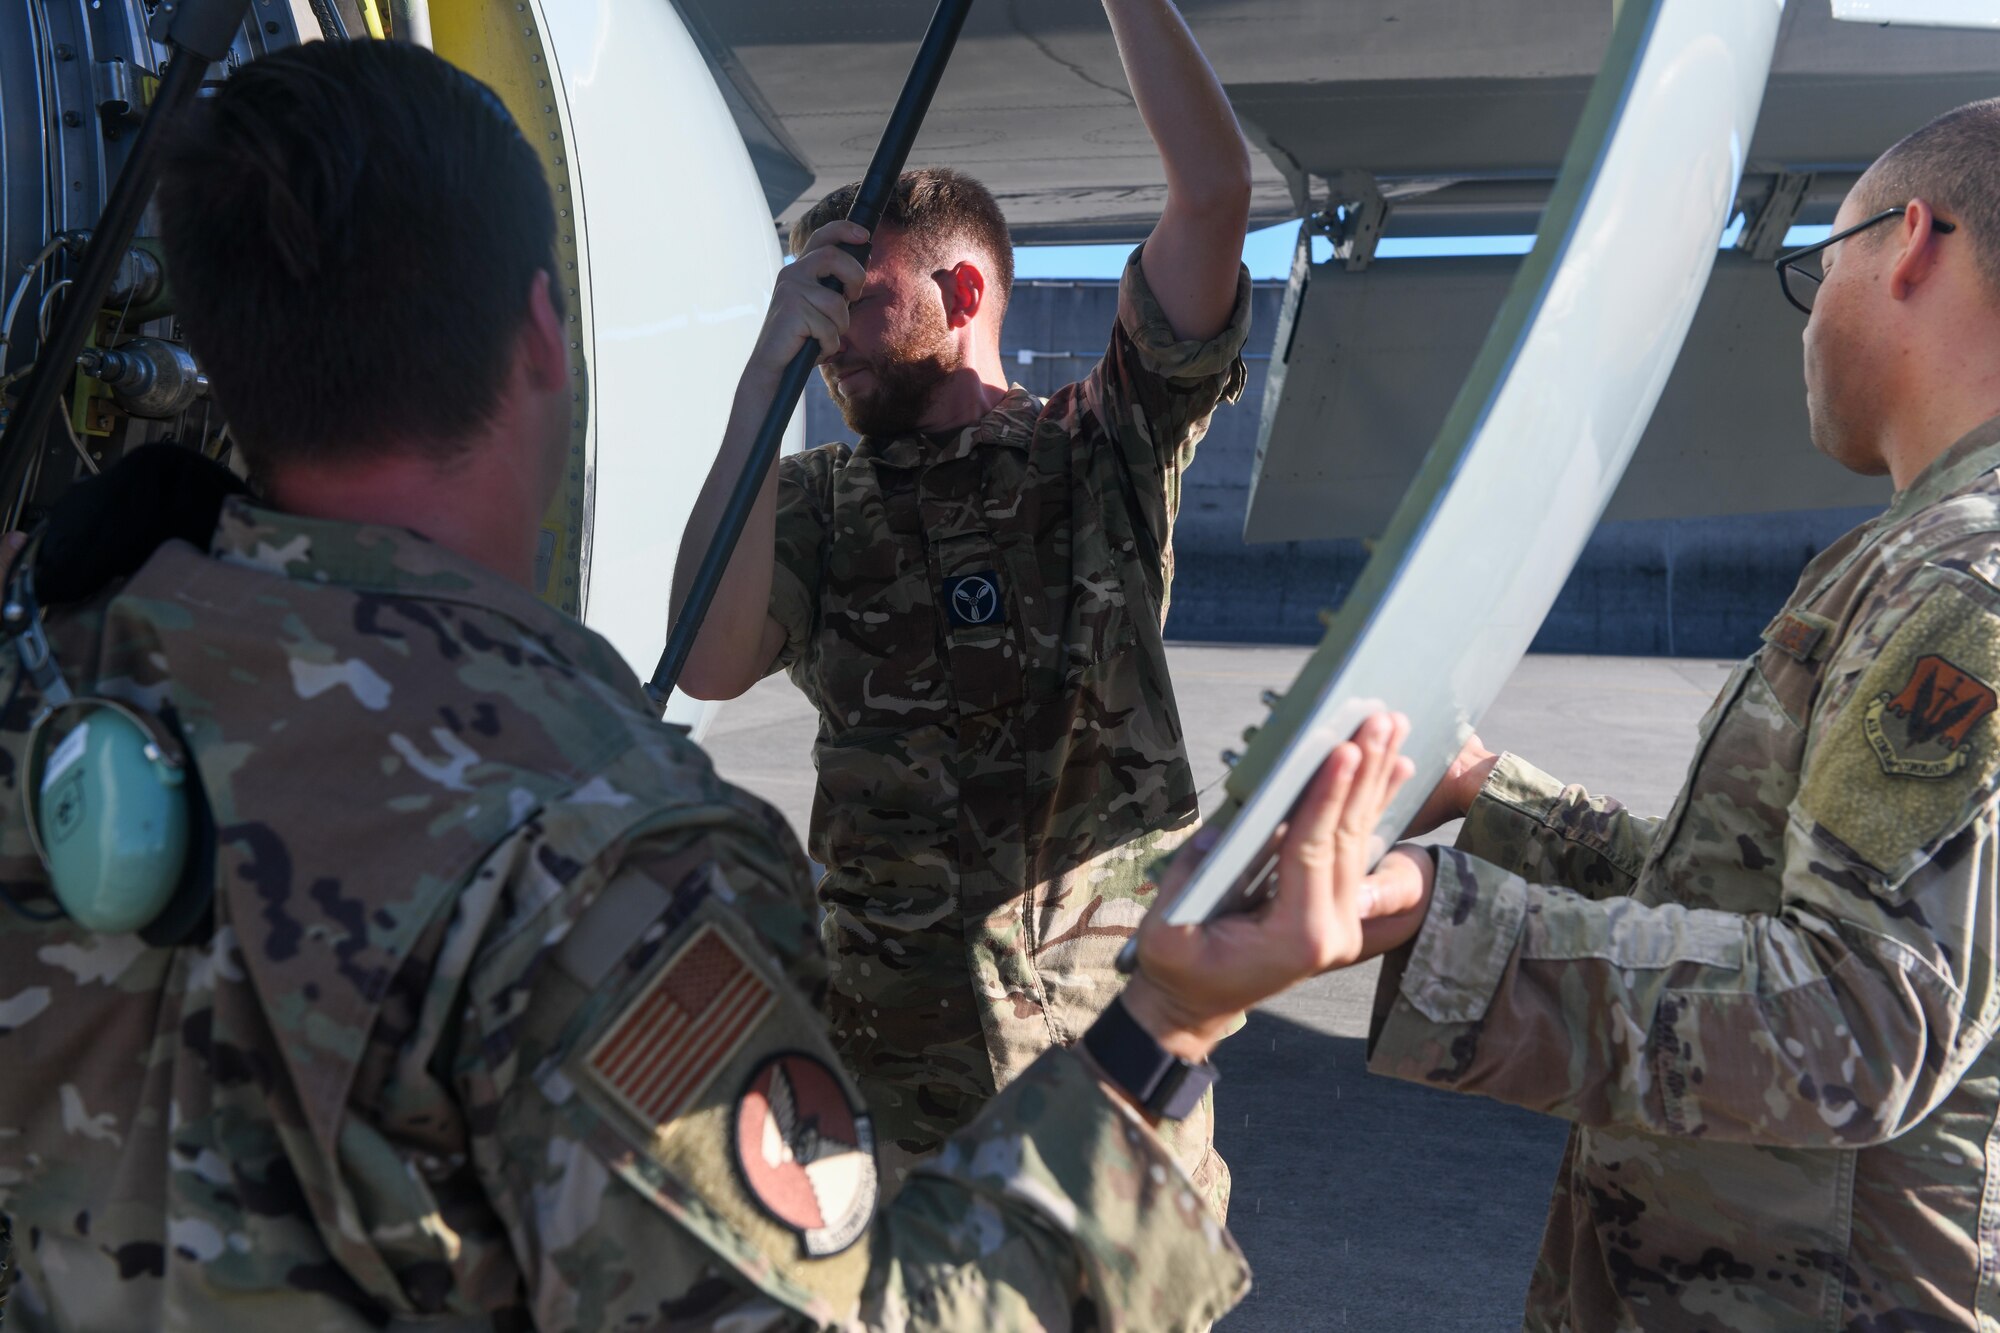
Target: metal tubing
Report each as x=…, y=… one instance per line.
x=28, y=429
x=869, y=202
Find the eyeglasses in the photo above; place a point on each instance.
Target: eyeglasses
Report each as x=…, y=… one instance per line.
x=1800, y=271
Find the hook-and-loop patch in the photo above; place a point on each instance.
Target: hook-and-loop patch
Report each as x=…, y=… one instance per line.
x=1913, y=753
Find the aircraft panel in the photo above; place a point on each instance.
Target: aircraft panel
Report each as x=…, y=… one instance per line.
x=681, y=265
x=1542, y=429
x=1362, y=388
x=1035, y=102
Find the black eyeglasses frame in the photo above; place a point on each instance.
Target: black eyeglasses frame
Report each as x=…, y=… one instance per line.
x=1787, y=264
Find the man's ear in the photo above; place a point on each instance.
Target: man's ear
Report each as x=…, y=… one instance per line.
x=1917, y=251
x=964, y=289
x=542, y=341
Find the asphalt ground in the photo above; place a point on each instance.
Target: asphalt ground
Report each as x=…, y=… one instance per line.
x=1362, y=1203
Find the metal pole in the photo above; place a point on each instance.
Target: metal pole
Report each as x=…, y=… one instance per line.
x=198, y=33
x=869, y=201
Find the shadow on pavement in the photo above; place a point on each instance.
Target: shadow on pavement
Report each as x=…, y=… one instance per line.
x=1369, y=1204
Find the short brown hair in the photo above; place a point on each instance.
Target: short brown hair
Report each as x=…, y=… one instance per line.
x=933, y=207
x=353, y=228
x=1953, y=164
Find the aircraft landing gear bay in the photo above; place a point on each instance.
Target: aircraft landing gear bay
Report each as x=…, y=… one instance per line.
x=666, y=253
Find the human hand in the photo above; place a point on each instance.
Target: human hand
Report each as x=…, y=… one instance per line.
x=802, y=311
x=1456, y=790
x=1194, y=980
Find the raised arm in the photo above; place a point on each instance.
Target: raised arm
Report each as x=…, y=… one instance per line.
x=1191, y=258
x=739, y=639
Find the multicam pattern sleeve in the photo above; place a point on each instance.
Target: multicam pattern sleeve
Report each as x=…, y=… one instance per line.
x=1838, y=1020
x=1526, y=822
x=801, y=549
x=1055, y=1201
x=1154, y=393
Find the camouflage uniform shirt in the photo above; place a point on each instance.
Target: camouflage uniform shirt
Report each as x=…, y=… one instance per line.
x=1770, y=1013
x=506, y=1019
x=978, y=622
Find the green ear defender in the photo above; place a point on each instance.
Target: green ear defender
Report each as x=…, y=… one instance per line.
x=107, y=809
x=112, y=805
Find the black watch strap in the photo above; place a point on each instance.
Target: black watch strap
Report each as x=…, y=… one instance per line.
x=1158, y=1080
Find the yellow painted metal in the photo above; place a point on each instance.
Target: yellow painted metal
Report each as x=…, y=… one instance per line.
x=501, y=43
x=372, y=18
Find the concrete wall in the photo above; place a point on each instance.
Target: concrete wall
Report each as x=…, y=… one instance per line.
x=1674, y=587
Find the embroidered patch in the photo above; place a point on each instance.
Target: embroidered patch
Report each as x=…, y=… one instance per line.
x=1920, y=730
x=670, y=1042
x=807, y=1153
x=1799, y=633
x=972, y=600
x=1923, y=709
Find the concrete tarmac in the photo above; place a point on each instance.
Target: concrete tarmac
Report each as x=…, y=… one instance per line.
x=1362, y=1203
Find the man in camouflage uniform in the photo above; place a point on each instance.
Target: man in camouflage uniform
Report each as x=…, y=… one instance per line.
x=973, y=597
x=1769, y=1014
x=504, y=1012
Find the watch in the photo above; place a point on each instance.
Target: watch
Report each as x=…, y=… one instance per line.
x=1158, y=1080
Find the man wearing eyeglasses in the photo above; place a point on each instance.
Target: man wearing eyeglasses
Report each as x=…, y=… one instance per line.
x=1770, y=1013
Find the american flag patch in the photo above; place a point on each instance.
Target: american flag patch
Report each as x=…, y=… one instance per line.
x=667, y=1046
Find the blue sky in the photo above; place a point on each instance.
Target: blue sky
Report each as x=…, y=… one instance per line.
x=1269, y=252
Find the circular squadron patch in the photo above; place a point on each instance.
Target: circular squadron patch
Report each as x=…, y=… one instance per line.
x=807, y=1153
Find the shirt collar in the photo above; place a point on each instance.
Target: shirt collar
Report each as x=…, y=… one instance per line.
x=1975, y=454
x=1011, y=424
x=397, y=562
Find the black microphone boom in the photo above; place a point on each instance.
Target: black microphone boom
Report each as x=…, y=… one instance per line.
x=869, y=201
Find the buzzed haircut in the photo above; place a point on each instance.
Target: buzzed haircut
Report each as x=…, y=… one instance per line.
x=352, y=229
x=1953, y=164
x=932, y=207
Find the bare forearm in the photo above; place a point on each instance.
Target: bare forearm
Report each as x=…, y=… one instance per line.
x=1181, y=102
x=729, y=654
x=1191, y=257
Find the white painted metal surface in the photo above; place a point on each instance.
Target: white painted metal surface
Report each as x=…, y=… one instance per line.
x=682, y=255
x=1542, y=430
x=1921, y=13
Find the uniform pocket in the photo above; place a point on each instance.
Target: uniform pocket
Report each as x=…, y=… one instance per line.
x=877, y=671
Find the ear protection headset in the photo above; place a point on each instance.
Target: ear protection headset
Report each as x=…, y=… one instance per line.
x=111, y=802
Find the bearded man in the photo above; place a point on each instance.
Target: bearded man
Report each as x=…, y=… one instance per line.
x=973, y=595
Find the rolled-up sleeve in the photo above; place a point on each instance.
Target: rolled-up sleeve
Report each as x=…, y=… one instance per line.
x=1154, y=392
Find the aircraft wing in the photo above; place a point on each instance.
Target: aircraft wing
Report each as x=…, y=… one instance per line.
x=1395, y=120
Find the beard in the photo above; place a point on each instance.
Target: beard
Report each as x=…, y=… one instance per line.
x=904, y=377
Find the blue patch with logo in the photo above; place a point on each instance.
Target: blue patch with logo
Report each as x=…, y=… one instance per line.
x=973, y=600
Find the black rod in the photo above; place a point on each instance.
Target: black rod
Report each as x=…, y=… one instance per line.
x=869, y=202
x=199, y=33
